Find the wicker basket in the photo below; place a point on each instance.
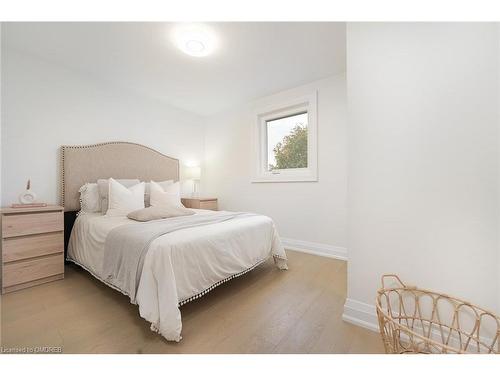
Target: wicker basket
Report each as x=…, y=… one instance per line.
x=413, y=320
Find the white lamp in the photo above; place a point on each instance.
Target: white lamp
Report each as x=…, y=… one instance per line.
x=193, y=173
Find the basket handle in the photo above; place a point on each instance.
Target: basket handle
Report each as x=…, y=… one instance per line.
x=391, y=276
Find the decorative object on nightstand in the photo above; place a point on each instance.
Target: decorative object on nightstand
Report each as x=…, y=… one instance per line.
x=193, y=173
x=32, y=246
x=28, y=196
x=203, y=203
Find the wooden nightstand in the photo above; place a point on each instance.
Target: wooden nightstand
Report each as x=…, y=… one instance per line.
x=203, y=203
x=32, y=246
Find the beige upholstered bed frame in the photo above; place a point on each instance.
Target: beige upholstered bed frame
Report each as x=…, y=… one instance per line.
x=81, y=164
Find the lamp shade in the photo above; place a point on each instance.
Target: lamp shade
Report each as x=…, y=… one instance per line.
x=192, y=173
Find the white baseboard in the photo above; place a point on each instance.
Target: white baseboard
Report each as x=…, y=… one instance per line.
x=360, y=314
x=315, y=248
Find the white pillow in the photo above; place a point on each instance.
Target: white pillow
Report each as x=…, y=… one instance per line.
x=122, y=200
x=169, y=195
x=163, y=184
x=103, y=185
x=89, y=198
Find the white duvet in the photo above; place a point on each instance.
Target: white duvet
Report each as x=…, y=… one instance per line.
x=181, y=265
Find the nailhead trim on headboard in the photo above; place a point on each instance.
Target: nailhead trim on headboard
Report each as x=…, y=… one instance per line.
x=63, y=148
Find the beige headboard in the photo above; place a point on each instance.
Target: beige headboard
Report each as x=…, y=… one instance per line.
x=81, y=164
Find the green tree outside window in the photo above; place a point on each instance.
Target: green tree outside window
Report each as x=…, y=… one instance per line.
x=292, y=151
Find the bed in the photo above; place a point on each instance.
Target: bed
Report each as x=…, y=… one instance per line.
x=186, y=258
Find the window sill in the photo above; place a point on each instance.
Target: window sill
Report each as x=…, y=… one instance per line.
x=284, y=178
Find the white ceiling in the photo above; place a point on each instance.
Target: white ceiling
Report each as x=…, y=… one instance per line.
x=253, y=59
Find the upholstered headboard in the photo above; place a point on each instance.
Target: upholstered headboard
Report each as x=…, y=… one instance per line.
x=81, y=164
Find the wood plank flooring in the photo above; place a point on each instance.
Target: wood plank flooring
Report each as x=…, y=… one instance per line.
x=264, y=311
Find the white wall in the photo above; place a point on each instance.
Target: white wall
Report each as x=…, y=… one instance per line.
x=46, y=106
x=423, y=186
x=305, y=211
x=498, y=114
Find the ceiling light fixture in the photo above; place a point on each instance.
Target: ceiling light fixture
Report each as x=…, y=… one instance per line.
x=195, y=39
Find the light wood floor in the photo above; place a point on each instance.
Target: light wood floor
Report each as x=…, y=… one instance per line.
x=264, y=311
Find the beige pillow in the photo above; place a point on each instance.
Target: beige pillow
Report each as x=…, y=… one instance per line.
x=159, y=212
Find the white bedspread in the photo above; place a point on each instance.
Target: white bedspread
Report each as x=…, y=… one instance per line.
x=181, y=265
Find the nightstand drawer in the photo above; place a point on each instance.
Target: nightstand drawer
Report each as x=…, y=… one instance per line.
x=24, y=224
x=208, y=205
x=33, y=269
x=203, y=203
x=18, y=248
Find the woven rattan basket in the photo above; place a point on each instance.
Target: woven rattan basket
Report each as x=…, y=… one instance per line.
x=413, y=320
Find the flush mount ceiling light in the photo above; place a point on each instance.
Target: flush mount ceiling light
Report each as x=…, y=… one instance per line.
x=195, y=39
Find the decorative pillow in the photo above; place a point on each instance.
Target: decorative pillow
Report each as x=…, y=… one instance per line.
x=159, y=212
x=103, y=185
x=123, y=200
x=168, y=196
x=89, y=198
x=163, y=184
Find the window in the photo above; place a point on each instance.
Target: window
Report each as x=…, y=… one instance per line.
x=285, y=142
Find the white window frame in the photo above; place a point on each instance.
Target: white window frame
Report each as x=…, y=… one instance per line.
x=288, y=108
